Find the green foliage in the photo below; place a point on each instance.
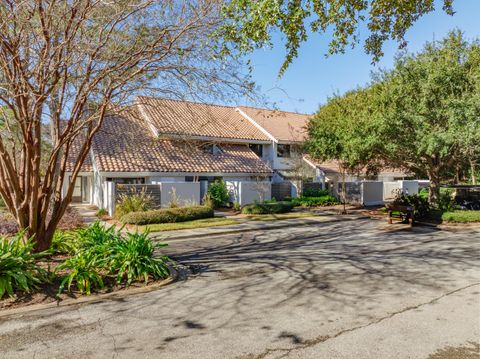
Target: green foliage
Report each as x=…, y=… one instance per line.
x=218, y=193
x=102, y=212
x=84, y=270
x=313, y=192
x=422, y=207
x=326, y=200
x=102, y=252
x=208, y=201
x=133, y=259
x=461, y=216
x=236, y=206
x=18, y=269
x=252, y=23
x=168, y=215
x=422, y=116
x=64, y=243
x=267, y=208
x=136, y=201
x=446, y=201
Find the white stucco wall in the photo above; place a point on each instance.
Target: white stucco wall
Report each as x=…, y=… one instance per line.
x=187, y=193
x=245, y=192
x=372, y=193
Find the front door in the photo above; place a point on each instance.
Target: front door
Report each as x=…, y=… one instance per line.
x=78, y=190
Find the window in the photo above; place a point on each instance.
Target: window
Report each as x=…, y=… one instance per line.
x=283, y=151
x=258, y=149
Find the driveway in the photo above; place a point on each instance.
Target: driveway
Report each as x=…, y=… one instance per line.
x=353, y=289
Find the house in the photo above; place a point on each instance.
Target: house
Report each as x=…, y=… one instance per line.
x=158, y=141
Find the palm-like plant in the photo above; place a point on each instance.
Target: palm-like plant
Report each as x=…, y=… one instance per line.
x=18, y=269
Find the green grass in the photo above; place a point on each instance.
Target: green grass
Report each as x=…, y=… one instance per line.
x=279, y=216
x=198, y=223
x=461, y=216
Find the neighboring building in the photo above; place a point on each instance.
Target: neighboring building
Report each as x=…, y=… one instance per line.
x=161, y=140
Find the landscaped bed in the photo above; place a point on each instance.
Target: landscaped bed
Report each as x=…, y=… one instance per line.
x=89, y=260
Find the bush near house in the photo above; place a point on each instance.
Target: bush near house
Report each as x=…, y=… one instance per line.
x=313, y=192
x=133, y=202
x=218, y=193
x=270, y=207
x=168, y=215
x=325, y=200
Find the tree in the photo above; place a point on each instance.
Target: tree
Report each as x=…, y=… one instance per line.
x=423, y=115
x=431, y=110
x=65, y=65
x=343, y=130
x=252, y=22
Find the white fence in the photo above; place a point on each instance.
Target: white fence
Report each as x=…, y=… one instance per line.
x=390, y=189
x=181, y=193
x=372, y=193
x=245, y=192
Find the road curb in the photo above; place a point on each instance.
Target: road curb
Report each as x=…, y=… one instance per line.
x=94, y=299
x=308, y=221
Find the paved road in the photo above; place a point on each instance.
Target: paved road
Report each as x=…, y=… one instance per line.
x=339, y=290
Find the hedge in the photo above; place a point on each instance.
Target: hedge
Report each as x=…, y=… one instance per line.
x=267, y=208
x=314, y=201
x=168, y=215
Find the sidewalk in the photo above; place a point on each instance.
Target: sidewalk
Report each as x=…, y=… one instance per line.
x=252, y=226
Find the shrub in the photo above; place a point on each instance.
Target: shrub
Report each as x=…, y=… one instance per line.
x=208, y=201
x=107, y=251
x=422, y=208
x=18, y=269
x=314, y=201
x=64, y=243
x=236, y=206
x=133, y=202
x=218, y=193
x=446, y=201
x=168, y=215
x=314, y=192
x=267, y=208
x=132, y=259
x=85, y=271
x=102, y=212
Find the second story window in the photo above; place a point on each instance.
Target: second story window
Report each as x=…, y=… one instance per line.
x=258, y=149
x=283, y=151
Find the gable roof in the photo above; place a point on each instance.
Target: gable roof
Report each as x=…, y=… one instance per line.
x=126, y=144
x=283, y=126
x=185, y=119
x=333, y=167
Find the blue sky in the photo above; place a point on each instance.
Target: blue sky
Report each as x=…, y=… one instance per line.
x=312, y=78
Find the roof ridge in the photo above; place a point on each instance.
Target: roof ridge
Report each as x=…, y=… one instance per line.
x=269, y=109
x=189, y=101
x=218, y=105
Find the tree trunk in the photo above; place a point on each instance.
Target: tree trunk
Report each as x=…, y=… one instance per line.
x=344, y=193
x=472, y=170
x=434, y=190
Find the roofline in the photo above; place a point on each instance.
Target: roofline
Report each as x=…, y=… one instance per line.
x=264, y=131
x=163, y=135
x=219, y=105
x=173, y=173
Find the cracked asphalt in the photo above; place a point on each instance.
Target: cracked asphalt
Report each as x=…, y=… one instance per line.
x=353, y=289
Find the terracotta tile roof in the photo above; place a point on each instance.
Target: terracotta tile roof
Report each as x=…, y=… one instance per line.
x=73, y=156
x=284, y=126
x=183, y=118
x=126, y=144
x=333, y=168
